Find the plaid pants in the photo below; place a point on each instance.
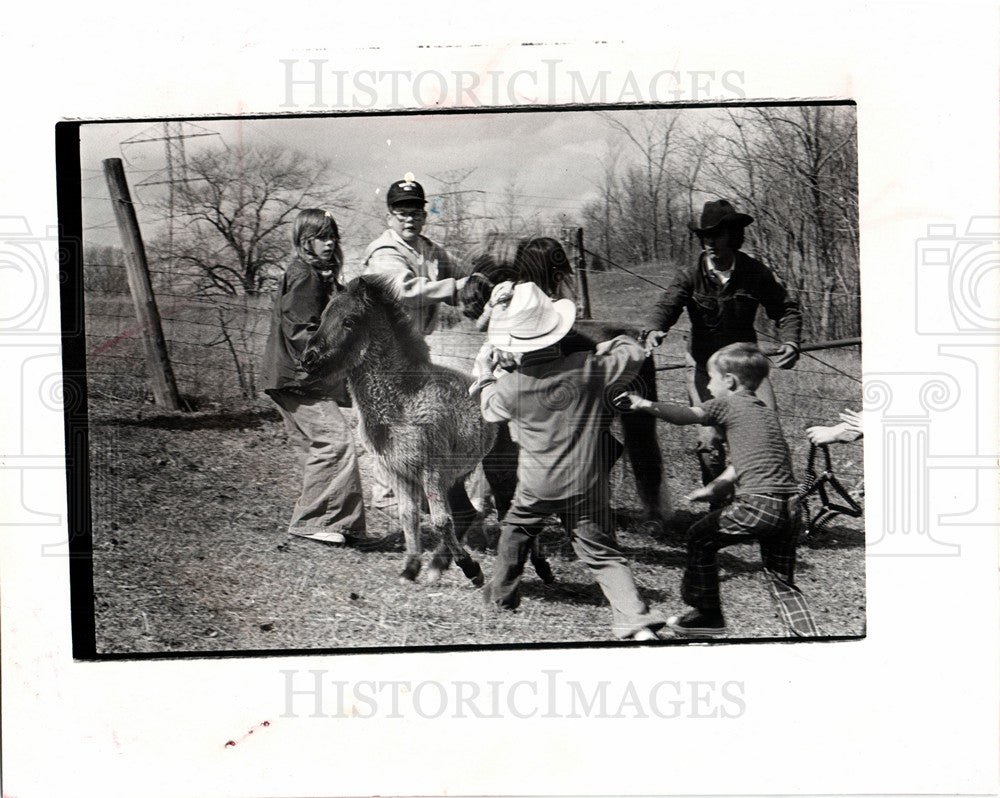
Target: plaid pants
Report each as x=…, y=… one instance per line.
x=773, y=521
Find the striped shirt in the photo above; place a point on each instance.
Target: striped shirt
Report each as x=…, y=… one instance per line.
x=757, y=447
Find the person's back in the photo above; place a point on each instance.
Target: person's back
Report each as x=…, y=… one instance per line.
x=558, y=410
x=558, y=413
x=757, y=446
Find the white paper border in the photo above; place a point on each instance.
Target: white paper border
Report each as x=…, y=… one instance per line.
x=912, y=709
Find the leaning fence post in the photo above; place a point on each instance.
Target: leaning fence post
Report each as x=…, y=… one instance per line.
x=164, y=386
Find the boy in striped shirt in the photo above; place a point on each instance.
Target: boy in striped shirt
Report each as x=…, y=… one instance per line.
x=765, y=508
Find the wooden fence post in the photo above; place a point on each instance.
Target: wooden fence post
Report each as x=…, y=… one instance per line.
x=581, y=269
x=164, y=386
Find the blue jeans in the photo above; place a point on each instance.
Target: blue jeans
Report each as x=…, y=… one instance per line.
x=588, y=520
x=330, y=500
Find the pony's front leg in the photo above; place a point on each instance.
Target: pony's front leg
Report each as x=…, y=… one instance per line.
x=408, y=495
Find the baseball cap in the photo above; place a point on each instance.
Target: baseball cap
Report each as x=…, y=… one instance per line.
x=405, y=190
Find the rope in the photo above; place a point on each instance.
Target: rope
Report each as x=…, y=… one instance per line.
x=759, y=332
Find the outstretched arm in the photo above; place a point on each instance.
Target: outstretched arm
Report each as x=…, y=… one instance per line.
x=484, y=388
x=783, y=309
x=668, y=411
x=413, y=289
x=848, y=430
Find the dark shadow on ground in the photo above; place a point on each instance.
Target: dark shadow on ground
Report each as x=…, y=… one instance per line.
x=201, y=419
x=677, y=558
x=588, y=593
x=834, y=536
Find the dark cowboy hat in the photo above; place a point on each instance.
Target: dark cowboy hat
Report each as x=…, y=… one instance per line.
x=719, y=213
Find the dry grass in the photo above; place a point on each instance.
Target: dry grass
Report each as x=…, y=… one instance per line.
x=191, y=554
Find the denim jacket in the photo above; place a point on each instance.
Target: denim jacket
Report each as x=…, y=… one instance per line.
x=724, y=314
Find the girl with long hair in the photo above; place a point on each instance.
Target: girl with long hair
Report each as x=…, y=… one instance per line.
x=330, y=507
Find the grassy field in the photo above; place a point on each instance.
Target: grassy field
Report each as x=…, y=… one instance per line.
x=190, y=509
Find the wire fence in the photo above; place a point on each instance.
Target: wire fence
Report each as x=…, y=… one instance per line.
x=216, y=345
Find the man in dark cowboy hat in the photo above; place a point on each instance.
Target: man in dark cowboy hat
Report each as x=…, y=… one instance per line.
x=721, y=294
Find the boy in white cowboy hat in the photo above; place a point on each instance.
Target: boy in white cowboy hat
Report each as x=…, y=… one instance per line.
x=558, y=409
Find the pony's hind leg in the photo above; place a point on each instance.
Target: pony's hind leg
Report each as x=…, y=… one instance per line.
x=443, y=510
x=441, y=518
x=644, y=453
x=463, y=512
x=408, y=495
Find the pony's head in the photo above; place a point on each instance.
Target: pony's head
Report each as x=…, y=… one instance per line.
x=366, y=312
x=540, y=260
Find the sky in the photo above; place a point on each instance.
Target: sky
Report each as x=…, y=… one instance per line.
x=553, y=158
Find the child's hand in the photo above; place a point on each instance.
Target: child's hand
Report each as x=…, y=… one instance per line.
x=485, y=361
x=849, y=429
x=703, y=494
x=508, y=361
x=653, y=339
x=629, y=401
x=719, y=488
x=819, y=436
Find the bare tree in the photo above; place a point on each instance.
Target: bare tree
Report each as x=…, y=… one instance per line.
x=609, y=166
x=795, y=171
x=235, y=206
x=651, y=137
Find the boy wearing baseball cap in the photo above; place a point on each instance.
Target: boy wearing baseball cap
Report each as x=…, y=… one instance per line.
x=423, y=272
x=558, y=409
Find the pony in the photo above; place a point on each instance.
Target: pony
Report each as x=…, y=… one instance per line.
x=543, y=260
x=416, y=417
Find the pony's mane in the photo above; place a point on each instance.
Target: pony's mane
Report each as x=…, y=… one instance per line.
x=379, y=289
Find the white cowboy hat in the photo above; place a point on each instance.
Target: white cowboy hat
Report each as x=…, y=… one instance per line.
x=524, y=319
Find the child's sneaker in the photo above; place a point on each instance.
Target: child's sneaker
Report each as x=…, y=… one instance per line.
x=331, y=536
x=697, y=624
